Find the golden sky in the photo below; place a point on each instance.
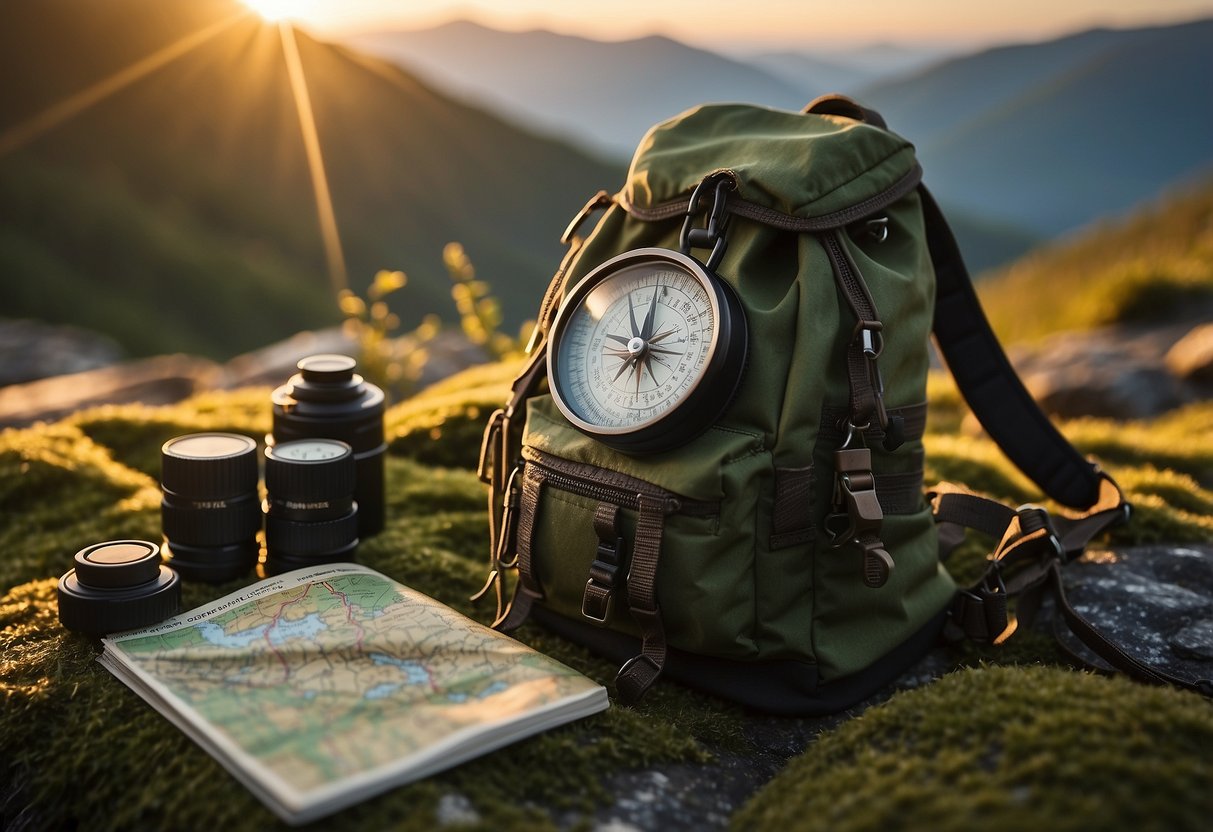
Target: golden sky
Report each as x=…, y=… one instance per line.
x=742, y=23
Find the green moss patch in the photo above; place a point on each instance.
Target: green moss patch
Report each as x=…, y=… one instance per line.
x=1004, y=749
x=82, y=750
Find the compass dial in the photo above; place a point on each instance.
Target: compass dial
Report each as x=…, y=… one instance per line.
x=647, y=350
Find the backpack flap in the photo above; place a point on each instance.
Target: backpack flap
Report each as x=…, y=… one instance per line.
x=792, y=172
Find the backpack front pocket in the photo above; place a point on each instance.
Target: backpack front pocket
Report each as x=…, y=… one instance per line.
x=593, y=534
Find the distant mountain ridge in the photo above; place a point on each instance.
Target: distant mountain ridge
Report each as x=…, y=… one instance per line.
x=1033, y=138
x=604, y=94
x=1051, y=136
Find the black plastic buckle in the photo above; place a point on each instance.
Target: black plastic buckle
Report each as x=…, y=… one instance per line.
x=1034, y=518
x=626, y=668
x=598, y=597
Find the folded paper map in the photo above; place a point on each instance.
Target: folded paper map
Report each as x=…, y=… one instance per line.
x=322, y=687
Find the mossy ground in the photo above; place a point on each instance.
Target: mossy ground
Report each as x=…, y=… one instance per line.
x=1004, y=748
x=79, y=749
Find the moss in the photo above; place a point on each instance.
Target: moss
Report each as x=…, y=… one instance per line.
x=443, y=424
x=1155, y=266
x=75, y=739
x=78, y=740
x=1004, y=748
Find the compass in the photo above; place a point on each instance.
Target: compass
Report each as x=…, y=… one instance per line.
x=647, y=351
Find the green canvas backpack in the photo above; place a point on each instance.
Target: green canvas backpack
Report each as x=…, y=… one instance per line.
x=711, y=466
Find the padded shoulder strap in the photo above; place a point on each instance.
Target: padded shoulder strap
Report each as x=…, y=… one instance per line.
x=989, y=383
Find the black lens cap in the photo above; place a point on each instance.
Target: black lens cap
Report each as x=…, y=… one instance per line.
x=327, y=368
x=118, y=585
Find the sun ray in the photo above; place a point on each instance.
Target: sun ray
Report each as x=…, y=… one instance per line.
x=22, y=134
x=315, y=161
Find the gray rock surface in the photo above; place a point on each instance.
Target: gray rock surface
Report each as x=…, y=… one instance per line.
x=1155, y=602
x=1191, y=357
x=30, y=350
x=1114, y=372
x=170, y=378
x=161, y=380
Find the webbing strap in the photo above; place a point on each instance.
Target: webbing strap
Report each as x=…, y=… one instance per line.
x=527, y=591
x=989, y=383
x=1033, y=546
x=639, y=673
x=866, y=396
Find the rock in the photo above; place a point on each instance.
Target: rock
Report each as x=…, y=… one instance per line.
x=1191, y=358
x=448, y=353
x=1155, y=602
x=273, y=365
x=1103, y=372
x=170, y=378
x=161, y=380
x=30, y=350
x=1195, y=641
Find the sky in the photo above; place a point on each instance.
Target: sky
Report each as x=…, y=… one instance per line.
x=739, y=24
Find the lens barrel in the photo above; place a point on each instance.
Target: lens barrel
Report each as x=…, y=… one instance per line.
x=210, y=511
x=310, y=513
x=117, y=585
x=327, y=399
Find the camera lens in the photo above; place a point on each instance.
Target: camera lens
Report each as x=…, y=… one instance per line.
x=210, y=511
x=327, y=399
x=117, y=585
x=311, y=516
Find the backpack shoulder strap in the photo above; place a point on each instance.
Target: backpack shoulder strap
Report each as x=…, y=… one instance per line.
x=1033, y=544
x=990, y=384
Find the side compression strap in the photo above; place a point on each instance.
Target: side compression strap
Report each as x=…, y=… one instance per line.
x=989, y=383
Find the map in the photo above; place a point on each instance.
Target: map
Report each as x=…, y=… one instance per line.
x=323, y=686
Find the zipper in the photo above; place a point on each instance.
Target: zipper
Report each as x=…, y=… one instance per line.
x=625, y=493
x=853, y=285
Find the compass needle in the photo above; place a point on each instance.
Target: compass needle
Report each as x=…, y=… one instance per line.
x=647, y=330
x=636, y=377
x=623, y=368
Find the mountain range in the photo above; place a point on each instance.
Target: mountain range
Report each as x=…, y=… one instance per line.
x=154, y=184
x=1026, y=141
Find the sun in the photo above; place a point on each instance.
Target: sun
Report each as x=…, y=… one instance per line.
x=273, y=11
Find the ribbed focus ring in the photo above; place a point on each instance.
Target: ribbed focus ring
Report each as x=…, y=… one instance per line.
x=293, y=537
x=209, y=466
x=216, y=523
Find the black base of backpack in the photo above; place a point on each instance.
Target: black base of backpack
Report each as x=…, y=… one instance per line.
x=782, y=688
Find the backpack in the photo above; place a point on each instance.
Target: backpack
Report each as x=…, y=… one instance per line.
x=711, y=466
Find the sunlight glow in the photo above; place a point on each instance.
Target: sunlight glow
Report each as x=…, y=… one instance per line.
x=315, y=161
x=274, y=11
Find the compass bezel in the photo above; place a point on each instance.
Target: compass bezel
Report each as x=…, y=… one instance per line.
x=708, y=395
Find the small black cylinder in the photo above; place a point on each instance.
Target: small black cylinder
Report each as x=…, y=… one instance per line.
x=117, y=585
x=210, y=512
x=311, y=516
x=327, y=399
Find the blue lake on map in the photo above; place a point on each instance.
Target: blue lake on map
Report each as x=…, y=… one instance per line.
x=414, y=674
x=307, y=627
